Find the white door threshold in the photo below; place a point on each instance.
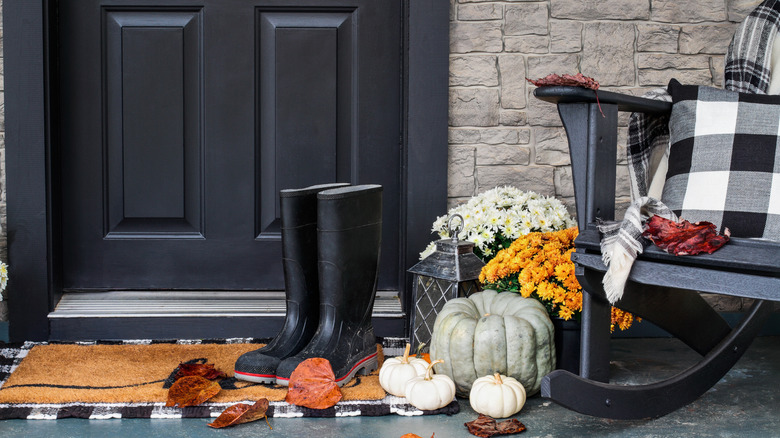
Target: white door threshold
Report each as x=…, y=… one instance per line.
x=197, y=304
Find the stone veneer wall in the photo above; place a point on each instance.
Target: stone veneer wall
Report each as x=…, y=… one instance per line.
x=500, y=134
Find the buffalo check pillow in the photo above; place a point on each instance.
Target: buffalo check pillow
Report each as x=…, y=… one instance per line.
x=724, y=159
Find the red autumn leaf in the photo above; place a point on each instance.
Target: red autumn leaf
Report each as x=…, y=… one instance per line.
x=685, y=238
x=191, y=391
x=485, y=426
x=206, y=370
x=313, y=385
x=578, y=80
x=411, y=435
x=241, y=413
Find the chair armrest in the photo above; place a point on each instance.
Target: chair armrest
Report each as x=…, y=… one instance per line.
x=565, y=94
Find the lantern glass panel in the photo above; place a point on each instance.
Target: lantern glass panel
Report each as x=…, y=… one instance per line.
x=451, y=271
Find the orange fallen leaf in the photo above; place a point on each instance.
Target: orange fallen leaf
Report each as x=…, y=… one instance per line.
x=241, y=413
x=191, y=391
x=411, y=435
x=207, y=370
x=313, y=385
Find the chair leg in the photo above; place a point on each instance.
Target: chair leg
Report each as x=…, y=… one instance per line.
x=660, y=398
x=595, y=336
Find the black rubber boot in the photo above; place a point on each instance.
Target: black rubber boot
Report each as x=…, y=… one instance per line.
x=349, y=237
x=299, y=259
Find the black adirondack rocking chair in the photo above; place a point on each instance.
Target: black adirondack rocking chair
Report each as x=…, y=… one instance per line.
x=662, y=288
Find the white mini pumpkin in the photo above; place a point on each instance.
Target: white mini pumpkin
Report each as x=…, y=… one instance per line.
x=431, y=391
x=396, y=371
x=497, y=396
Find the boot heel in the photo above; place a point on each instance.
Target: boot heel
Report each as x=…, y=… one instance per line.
x=370, y=366
x=364, y=367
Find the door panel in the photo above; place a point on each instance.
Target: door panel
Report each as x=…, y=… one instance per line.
x=181, y=123
x=305, y=97
x=153, y=122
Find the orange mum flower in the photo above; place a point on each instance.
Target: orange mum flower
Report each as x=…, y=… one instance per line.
x=539, y=265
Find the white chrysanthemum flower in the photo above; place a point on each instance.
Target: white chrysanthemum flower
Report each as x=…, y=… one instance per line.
x=506, y=210
x=493, y=219
x=439, y=224
x=477, y=238
x=512, y=232
x=527, y=223
x=508, y=218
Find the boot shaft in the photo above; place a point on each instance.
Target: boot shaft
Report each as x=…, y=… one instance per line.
x=349, y=240
x=299, y=241
x=299, y=206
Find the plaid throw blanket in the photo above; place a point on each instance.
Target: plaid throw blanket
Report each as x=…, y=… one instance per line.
x=747, y=70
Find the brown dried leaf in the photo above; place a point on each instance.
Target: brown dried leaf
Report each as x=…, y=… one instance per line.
x=508, y=427
x=578, y=80
x=313, y=385
x=485, y=426
x=685, y=238
x=206, y=370
x=241, y=413
x=191, y=391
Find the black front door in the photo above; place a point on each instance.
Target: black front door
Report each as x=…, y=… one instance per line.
x=180, y=122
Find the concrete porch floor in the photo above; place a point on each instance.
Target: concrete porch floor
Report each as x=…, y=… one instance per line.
x=746, y=403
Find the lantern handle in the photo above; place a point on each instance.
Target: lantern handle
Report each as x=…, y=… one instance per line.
x=453, y=231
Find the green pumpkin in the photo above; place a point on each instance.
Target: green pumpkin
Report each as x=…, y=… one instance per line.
x=491, y=332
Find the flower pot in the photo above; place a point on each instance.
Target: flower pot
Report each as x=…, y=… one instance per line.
x=567, y=344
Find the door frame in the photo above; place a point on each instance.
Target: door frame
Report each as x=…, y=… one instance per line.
x=34, y=233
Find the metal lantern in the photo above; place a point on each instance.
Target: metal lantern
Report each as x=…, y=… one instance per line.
x=451, y=271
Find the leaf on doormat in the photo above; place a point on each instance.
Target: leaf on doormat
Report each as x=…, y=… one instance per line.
x=313, y=385
x=191, y=391
x=685, y=238
x=206, y=370
x=578, y=80
x=485, y=426
x=241, y=413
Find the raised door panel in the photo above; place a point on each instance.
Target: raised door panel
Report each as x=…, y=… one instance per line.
x=305, y=97
x=153, y=120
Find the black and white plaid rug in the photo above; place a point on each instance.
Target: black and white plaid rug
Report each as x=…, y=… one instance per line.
x=11, y=355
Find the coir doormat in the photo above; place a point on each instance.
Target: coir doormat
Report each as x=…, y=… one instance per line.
x=126, y=379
